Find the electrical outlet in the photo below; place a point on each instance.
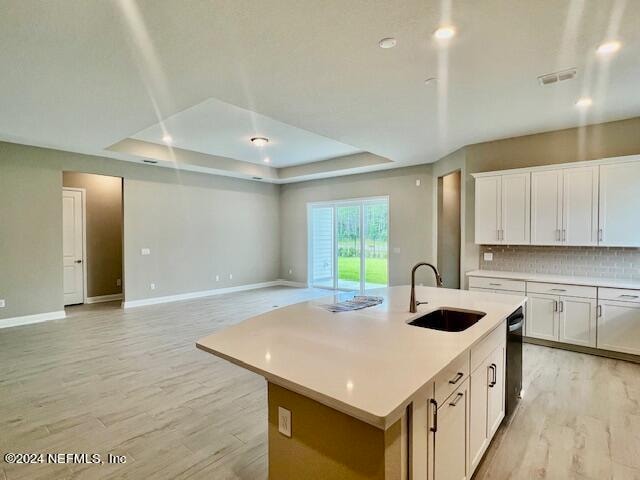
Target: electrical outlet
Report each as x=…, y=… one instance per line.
x=2, y=304
x=231, y=276
x=145, y=251
x=418, y=182
x=217, y=278
x=284, y=421
x=119, y=282
x=152, y=286
x=488, y=256
x=290, y=271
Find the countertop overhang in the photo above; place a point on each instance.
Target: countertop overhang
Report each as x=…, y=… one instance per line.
x=367, y=363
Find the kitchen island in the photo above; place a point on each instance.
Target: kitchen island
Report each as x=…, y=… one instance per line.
x=364, y=389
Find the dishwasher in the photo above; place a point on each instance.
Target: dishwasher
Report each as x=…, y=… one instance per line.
x=514, y=392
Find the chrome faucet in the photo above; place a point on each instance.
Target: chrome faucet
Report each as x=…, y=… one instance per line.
x=413, y=305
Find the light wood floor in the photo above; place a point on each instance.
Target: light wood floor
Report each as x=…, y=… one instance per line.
x=132, y=383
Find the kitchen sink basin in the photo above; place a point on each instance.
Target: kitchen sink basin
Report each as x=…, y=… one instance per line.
x=448, y=319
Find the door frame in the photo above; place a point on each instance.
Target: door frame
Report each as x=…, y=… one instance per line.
x=360, y=202
x=83, y=196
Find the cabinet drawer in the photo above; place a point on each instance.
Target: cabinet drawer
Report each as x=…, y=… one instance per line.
x=451, y=377
x=484, y=347
x=561, y=289
x=620, y=294
x=497, y=284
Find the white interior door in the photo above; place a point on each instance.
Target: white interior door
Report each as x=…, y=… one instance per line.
x=580, y=206
x=73, y=246
x=546, y=207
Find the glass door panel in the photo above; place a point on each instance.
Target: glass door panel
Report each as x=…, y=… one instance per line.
x=322, y=247
x=349, y=247
x=376, y=248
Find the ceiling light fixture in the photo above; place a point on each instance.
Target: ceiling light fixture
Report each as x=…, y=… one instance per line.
x=166, y=138
x=584, y=102
x=444, y=33
x=608, y=48
x=267, y=160
x=388, y=42
x=259, y=141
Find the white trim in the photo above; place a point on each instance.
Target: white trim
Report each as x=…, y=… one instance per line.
x=104, y=298
x=207, y=293
x=289, y=283
x=556, y=166
x=28, y=319
x=83, y=196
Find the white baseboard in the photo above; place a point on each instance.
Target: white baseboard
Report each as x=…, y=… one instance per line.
x=289, y=283
x=207, y=293
x=104, y=298
x=27, y=319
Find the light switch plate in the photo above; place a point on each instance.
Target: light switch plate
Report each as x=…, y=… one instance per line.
x=119, y=282
x=145, y=251
x=284, y=421
x=153, y=286
x=231, y=276
x=418, y=182
x=217, y=278
x=2, y=304
x=488, y=256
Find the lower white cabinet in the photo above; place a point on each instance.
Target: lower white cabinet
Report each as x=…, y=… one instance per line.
x=542, y=317
x=486, y=407
x=450, y=433
x=619, y=326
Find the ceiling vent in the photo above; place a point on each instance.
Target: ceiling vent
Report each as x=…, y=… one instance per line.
x=556, y=77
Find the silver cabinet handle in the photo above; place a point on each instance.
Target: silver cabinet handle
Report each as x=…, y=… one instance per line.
x=496, y=284
x=564, y=235
x=455, y=401
x=558, y=236
x=628, y=296
x=555, y=305
x=561, y=306
x=434, y=423
x=492, y=369
x=558, y=290
x=457, y=378
x=599, y=311
x=600, y=235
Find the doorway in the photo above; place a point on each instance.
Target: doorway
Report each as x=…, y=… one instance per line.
x=449, y=198
x=348, y=244
x=92, y=226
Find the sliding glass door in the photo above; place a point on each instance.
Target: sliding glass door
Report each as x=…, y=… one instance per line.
x=348, y=244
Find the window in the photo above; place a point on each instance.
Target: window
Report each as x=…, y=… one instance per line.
x=349, y=244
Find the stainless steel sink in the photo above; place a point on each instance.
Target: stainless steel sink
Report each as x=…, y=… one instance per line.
x=448, y=319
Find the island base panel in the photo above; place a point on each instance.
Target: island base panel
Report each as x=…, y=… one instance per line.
x=326, y=444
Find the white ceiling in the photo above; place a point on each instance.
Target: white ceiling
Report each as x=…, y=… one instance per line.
x=218, y=128
x=82, y=76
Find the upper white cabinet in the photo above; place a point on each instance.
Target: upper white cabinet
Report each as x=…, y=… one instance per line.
x=502, y=209
x=619, y=214
x=564, y=206
x=580, y=204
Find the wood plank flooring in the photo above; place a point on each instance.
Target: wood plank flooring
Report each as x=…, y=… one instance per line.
x=131, y=382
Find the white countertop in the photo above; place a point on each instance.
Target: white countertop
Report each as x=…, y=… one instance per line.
x=367, y=363
x=548, y=278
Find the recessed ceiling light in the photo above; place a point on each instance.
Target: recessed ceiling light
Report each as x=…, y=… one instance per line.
x=444, y=33
x=608, y=48
x=388, y=42
x=267, y=160
x=584, y=102
x=259, y=141
x=166, y=138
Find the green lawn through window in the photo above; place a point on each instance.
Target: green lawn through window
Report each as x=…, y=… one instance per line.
x=375, y=268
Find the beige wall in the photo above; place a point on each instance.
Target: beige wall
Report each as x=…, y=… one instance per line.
x=104, y=230
x=449, y=229
x=170, y=210
x=410, y=217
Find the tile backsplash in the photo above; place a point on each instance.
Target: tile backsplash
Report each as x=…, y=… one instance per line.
x=579, y=261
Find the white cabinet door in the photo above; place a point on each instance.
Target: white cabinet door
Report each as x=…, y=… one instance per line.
x=546, y=207
x=580, y=206
x=619, y=326
x=495, y=400
x=619, y=193
x=542, y=317
x=516, y=209
x=488, y=210
x=577, y=321
x=450, y=438
x=478, y=397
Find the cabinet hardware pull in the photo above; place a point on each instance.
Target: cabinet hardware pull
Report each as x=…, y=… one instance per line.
x=557, y=235
x=495, y=374
x=600, y=235
x=628, y=296
x=496, y=284
x=498, y=234
x=599, y=311
x=434, y=428
x=564, y=235
x=457, y=378
x=561, y=306
x=492, y=369
x=558, y=290
x=455, y=401
x=555, y=305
